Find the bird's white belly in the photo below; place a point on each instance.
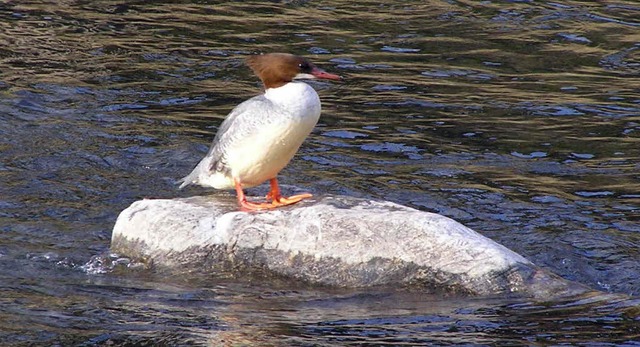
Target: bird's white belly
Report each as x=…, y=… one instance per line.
x=258, y=157
x=261, y=157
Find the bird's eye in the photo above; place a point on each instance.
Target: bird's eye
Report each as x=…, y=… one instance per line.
x=304, y=67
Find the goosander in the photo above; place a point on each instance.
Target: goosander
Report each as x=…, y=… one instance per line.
x=261, y=135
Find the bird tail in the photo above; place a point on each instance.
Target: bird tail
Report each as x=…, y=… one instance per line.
x=194, y=176
x=185, y=181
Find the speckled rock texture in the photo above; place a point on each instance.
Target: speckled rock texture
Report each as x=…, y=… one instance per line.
x=331, y=241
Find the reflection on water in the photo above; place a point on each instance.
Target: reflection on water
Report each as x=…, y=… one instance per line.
x=519, y=119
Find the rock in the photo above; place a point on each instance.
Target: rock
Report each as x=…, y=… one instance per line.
x=333, y=240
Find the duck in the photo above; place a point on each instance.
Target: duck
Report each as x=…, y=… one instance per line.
x=260, y=136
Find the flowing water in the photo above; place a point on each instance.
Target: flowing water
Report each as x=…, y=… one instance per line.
x=520, y=119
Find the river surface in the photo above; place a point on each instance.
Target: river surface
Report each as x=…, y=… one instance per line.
x=520, y=119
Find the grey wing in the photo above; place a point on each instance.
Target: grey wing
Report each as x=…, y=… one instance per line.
x=239, y=124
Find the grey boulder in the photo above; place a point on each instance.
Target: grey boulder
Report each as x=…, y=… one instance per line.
x=332, y=240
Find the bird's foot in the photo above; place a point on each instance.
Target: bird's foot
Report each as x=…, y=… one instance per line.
x=274, y=198
x=277, y=201
x=255, y=206
x=282, y=201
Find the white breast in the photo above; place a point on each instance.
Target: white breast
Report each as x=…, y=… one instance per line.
x=294, y=112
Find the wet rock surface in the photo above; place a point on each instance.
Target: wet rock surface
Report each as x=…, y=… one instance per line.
x=329, y=240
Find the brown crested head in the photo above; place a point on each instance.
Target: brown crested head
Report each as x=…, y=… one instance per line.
x=278, y=69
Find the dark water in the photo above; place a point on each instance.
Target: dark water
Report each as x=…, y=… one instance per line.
x=520, y=119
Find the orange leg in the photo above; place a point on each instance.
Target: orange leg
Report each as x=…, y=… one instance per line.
x=246, y=205
x=278, y=200
x=274, y=195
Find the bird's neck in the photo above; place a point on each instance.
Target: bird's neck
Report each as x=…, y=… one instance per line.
x=297, y=97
